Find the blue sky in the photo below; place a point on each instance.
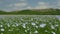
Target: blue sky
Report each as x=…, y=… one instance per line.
x=10, y=5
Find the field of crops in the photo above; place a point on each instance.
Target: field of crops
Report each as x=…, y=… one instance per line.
x=29, y=24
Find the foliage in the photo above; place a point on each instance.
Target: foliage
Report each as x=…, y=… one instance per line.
x=38, y=24
x=34, y=12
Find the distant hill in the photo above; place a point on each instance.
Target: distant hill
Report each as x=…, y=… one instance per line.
x=33, y=12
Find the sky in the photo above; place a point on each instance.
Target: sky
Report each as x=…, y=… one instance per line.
x=11, y=5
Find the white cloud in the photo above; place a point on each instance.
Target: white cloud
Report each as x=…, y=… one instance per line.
x=20, y=4
x=18, y=8
x=22, y=0
x=42, y=5
x=58, y=3
x=29, y=7
x=17, y=5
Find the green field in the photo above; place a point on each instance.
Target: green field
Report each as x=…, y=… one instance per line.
x=32, y=12
x=29, y=24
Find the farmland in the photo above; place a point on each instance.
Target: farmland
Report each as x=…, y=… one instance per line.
x=29, y=24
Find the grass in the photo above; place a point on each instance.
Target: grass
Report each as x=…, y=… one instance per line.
x=42, y=24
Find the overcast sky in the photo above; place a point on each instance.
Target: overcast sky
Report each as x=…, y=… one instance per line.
x=10, y=5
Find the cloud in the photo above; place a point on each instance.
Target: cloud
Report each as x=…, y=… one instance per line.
x=42, y=5
x=29, y=7
x=18, y=8
x=28, y=4
x=20, y=4
x=17, y=5
x=22, y=0
x=58, y=3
